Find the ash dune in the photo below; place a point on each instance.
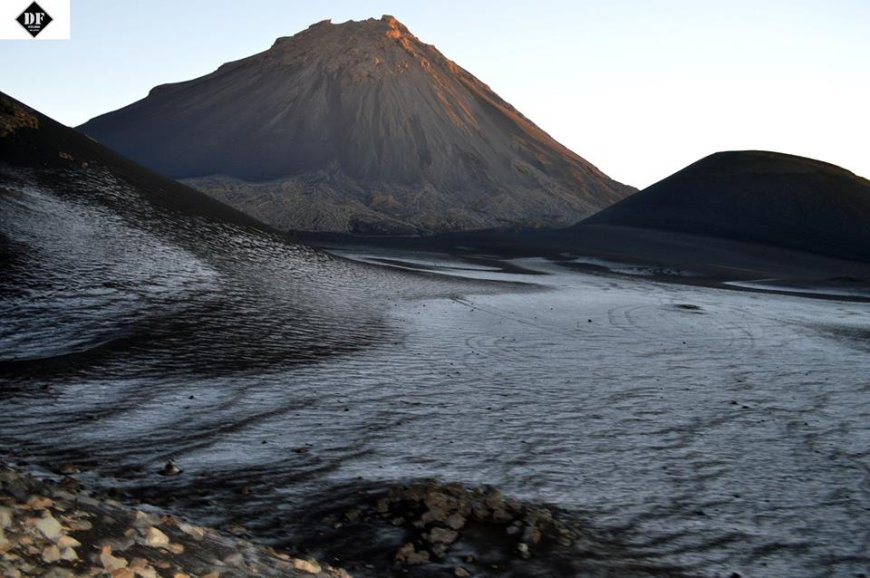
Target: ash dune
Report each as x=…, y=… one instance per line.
x=760, y=197
x=358, y=128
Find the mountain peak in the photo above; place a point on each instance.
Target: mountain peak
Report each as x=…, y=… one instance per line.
x=355, y=35
x=396, y=29
x=366, y=49
x=386, y=25
x=358, y=127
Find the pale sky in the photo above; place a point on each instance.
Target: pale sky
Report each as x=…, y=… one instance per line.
x=638, y=88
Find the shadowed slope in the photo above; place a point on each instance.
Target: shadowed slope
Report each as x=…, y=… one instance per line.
x=107, y=264
x=763, y=197
x=30, y=139
x=358, y=127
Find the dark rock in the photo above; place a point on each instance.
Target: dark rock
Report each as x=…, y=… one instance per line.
x=170, y=469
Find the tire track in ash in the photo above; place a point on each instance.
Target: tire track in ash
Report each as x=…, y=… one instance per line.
x=676, y=323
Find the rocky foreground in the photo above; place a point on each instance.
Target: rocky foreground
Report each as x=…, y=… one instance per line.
x=443, y=523
x=57, y=530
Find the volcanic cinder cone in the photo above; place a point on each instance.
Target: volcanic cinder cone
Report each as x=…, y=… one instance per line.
x=358, y=127
x=756, y=196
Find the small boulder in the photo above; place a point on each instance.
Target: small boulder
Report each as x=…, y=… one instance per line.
x=455, y=521
x=501, y=515
x=50, y=554
x=409, y=556
x=156, y=539
x=109, y=561
x=49, y=526
x=306, y=566
x=441, y=536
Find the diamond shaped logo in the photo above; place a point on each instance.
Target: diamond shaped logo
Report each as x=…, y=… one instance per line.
x=34, y=19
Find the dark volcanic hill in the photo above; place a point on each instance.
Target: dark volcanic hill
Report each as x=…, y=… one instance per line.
x=756, y=196
x=358, y=127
